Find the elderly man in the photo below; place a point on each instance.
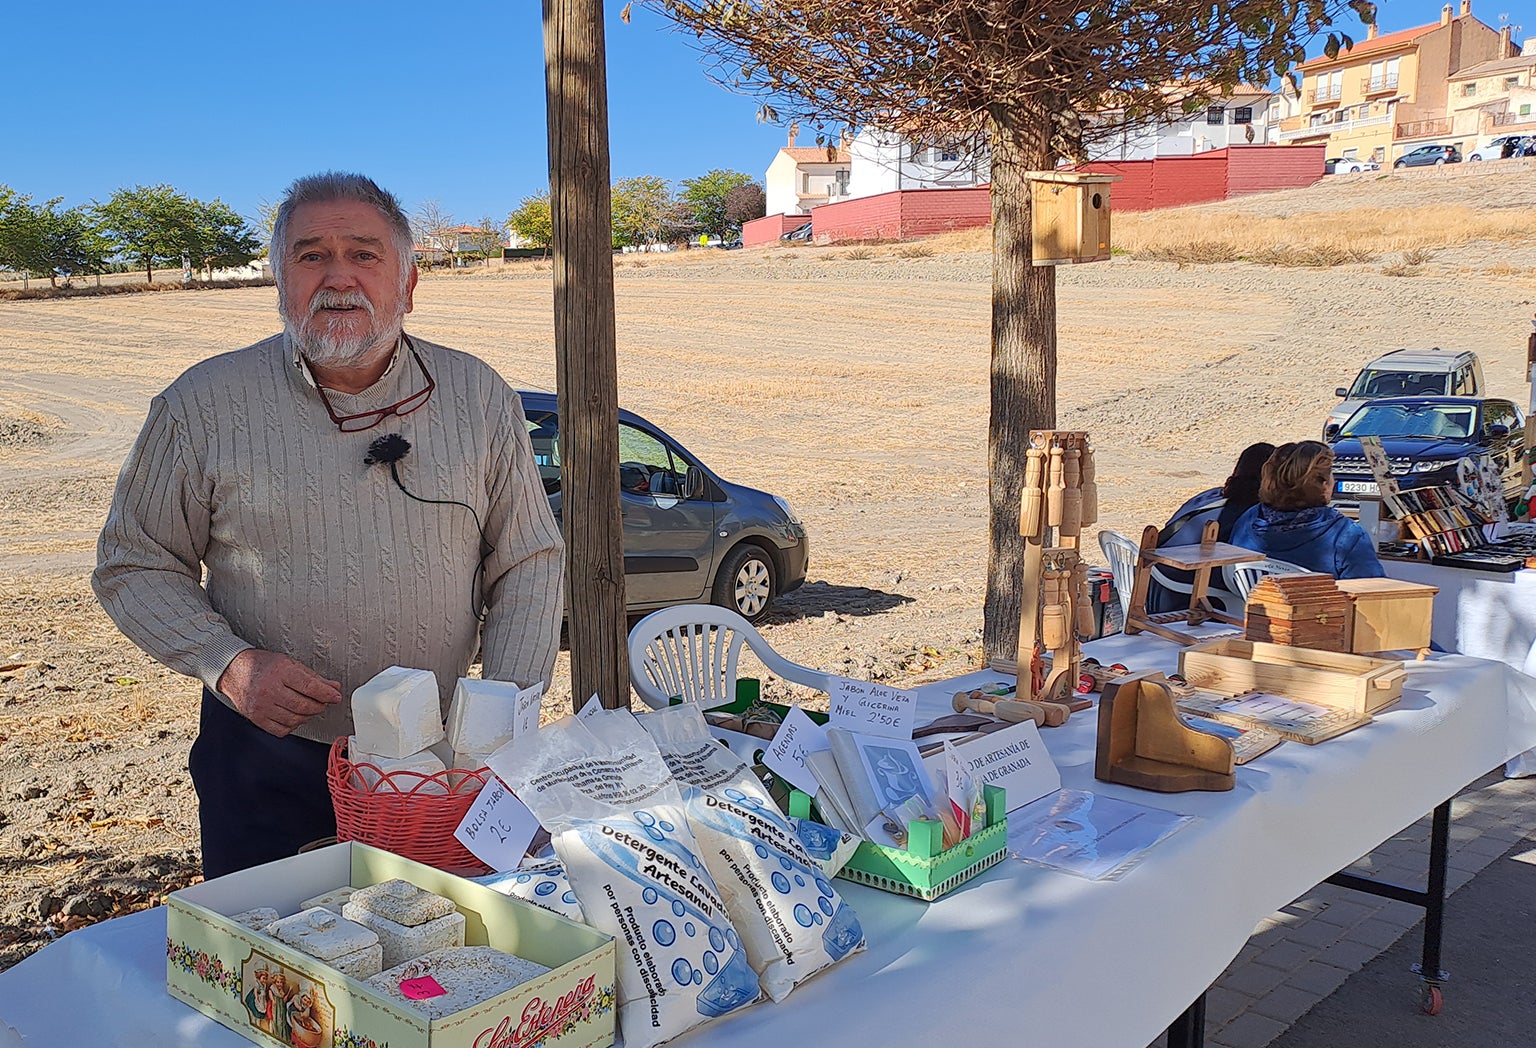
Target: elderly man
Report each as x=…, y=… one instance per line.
x=264, y=540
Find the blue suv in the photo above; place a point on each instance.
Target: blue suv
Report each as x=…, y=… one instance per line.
x=689, y=536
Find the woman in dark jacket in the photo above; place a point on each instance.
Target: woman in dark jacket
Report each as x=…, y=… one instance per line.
x=1293, y=521
x=1223, y=505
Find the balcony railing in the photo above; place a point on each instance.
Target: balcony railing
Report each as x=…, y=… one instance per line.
x=1332, y=127
x=1423, y=128
x=1507, y=119
x=1327, y=94
x=1373, y=84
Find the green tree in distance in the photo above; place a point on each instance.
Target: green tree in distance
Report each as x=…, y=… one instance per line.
x=705, y=197
x=145, y=224
x=213, y=236
x=485, y=241
x=642, y=210
x=1022, y=76
x=532, y=221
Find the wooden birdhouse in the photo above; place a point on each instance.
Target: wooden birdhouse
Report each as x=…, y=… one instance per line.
x=1070, y=216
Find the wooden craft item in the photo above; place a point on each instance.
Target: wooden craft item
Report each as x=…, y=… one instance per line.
x=1054, y=495
x=1354, y=683
x=1090, y=513
x=1072, y=495
x=1388, y=615
x=1199, y=559
x=1054, y=627
x=1085, y=621
x=1034, y=482
x=1015, y=711
x=1304, y=611
x=1142, y=742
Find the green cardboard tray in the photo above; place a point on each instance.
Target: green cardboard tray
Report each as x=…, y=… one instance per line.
x=922, y=869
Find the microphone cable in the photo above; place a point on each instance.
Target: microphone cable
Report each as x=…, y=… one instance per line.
x=390, y=449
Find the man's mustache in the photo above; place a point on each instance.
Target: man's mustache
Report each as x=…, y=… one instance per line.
x=325, y=299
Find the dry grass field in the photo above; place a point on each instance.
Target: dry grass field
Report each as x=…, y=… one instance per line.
x=852, y=381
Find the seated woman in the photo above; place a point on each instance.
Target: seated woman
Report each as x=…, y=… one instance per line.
x=1223, y=505
x=1293, y=521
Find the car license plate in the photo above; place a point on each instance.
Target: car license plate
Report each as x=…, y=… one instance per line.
x=1359, y=487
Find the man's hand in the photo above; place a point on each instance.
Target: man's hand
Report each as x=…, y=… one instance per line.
x=274, y=692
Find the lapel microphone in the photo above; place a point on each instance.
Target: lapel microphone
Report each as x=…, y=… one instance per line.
x=390, y=449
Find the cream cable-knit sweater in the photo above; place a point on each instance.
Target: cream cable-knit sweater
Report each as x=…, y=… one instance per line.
x=311, y=553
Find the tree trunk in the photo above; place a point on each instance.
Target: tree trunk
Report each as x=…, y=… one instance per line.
x=586, y=358
x=1023, y=361
x=149, y=272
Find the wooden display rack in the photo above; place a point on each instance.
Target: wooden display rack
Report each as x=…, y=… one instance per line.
x=1199, y=559
x=1060, y=495
x=1142, y=742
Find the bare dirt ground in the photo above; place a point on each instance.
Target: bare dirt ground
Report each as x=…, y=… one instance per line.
x=856, y=387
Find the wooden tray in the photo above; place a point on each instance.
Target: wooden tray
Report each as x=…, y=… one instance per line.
x=1354, y=683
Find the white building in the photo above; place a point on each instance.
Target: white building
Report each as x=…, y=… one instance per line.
x=884, y=161
x=801, y=177
x=1240, y=118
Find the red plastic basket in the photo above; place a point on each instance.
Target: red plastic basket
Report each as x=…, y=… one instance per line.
x=397, y=815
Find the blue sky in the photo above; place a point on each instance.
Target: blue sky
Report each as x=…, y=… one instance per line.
x=439, y=101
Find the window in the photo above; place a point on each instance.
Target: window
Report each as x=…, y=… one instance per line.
x=1511, y=81
x=1216, y=115
x=1242, y=115
x=1525, y=110
x=948, y=154
x=1465, y=386
x=1468, y=90
x=1500, y=413
x=647, y=466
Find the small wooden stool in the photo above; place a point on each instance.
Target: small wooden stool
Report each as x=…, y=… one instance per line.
x=1200, y=559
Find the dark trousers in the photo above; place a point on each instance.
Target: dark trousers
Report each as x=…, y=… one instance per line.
x=259, y=797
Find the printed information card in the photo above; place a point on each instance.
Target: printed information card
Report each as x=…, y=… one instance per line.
x=1014, y=758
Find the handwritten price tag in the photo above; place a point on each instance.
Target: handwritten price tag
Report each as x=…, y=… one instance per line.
x=592, y=706
x=526, y=719
x=422, y=988
x=797, y=738
x=498, y=827
x=873, y=709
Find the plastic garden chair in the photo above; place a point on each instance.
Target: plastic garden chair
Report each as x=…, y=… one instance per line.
x=1241, y=578
x=690, y=652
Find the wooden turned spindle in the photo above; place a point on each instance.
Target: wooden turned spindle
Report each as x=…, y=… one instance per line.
x=1090, y=513
x=1072, y=495
x=1034, y=478
x=1053, y=495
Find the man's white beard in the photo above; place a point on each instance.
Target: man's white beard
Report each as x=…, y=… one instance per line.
x=312, y=337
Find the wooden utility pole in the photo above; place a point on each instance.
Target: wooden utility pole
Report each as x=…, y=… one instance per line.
x=576, y=90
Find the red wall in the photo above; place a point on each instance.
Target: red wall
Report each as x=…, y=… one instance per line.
x=900, y=215
x=763, y=231
x=1258, y=169
x=1170, y=181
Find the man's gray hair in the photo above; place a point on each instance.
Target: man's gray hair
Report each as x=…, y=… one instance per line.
x=328, y=187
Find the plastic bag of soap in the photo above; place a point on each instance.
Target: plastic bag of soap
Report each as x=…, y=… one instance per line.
x=617, y=824
x=791, y=919
x=540, y=881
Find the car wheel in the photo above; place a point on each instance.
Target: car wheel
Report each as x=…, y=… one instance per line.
x=746, y=582
x=1440, y=162
x=1399, y=164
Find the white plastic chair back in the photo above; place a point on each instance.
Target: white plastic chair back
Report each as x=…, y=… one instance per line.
x=1121, y=553
x=691, y=651
x=1241, y=578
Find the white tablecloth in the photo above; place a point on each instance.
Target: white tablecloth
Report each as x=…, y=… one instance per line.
x=1485, y=614
x=1020, y=955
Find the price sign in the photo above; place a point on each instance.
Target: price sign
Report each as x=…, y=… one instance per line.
x=498, y=827
x=797, y=738
x=594, y=705
x=526, y=719
x=873, y=709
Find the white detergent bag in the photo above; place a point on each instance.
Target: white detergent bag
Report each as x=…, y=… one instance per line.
x=791, y=919
x=617, y=823
x=540, y=881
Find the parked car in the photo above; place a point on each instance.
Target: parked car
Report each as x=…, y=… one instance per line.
x=1348, y=165
x=689, y=535
x=1426, y=440
x=802, y=232
x=1429, y=156
x=1495, y=150
x=1410, y=372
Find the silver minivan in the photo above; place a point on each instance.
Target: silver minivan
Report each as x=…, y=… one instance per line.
x=1431, y=372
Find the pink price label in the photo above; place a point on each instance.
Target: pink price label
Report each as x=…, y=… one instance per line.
x=421, y=989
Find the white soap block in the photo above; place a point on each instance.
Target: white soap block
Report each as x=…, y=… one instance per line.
x=344, y=945
x=467, y=762
x=481, y=716
x=402, y=902
x=400, y=942
x=258, y=919
x=332, y=900
x=470, y=974
x=423, y=764
x=398, y=712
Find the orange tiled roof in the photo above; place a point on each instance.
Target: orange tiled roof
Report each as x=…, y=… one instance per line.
x=1389, y=42
x=815, y=155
